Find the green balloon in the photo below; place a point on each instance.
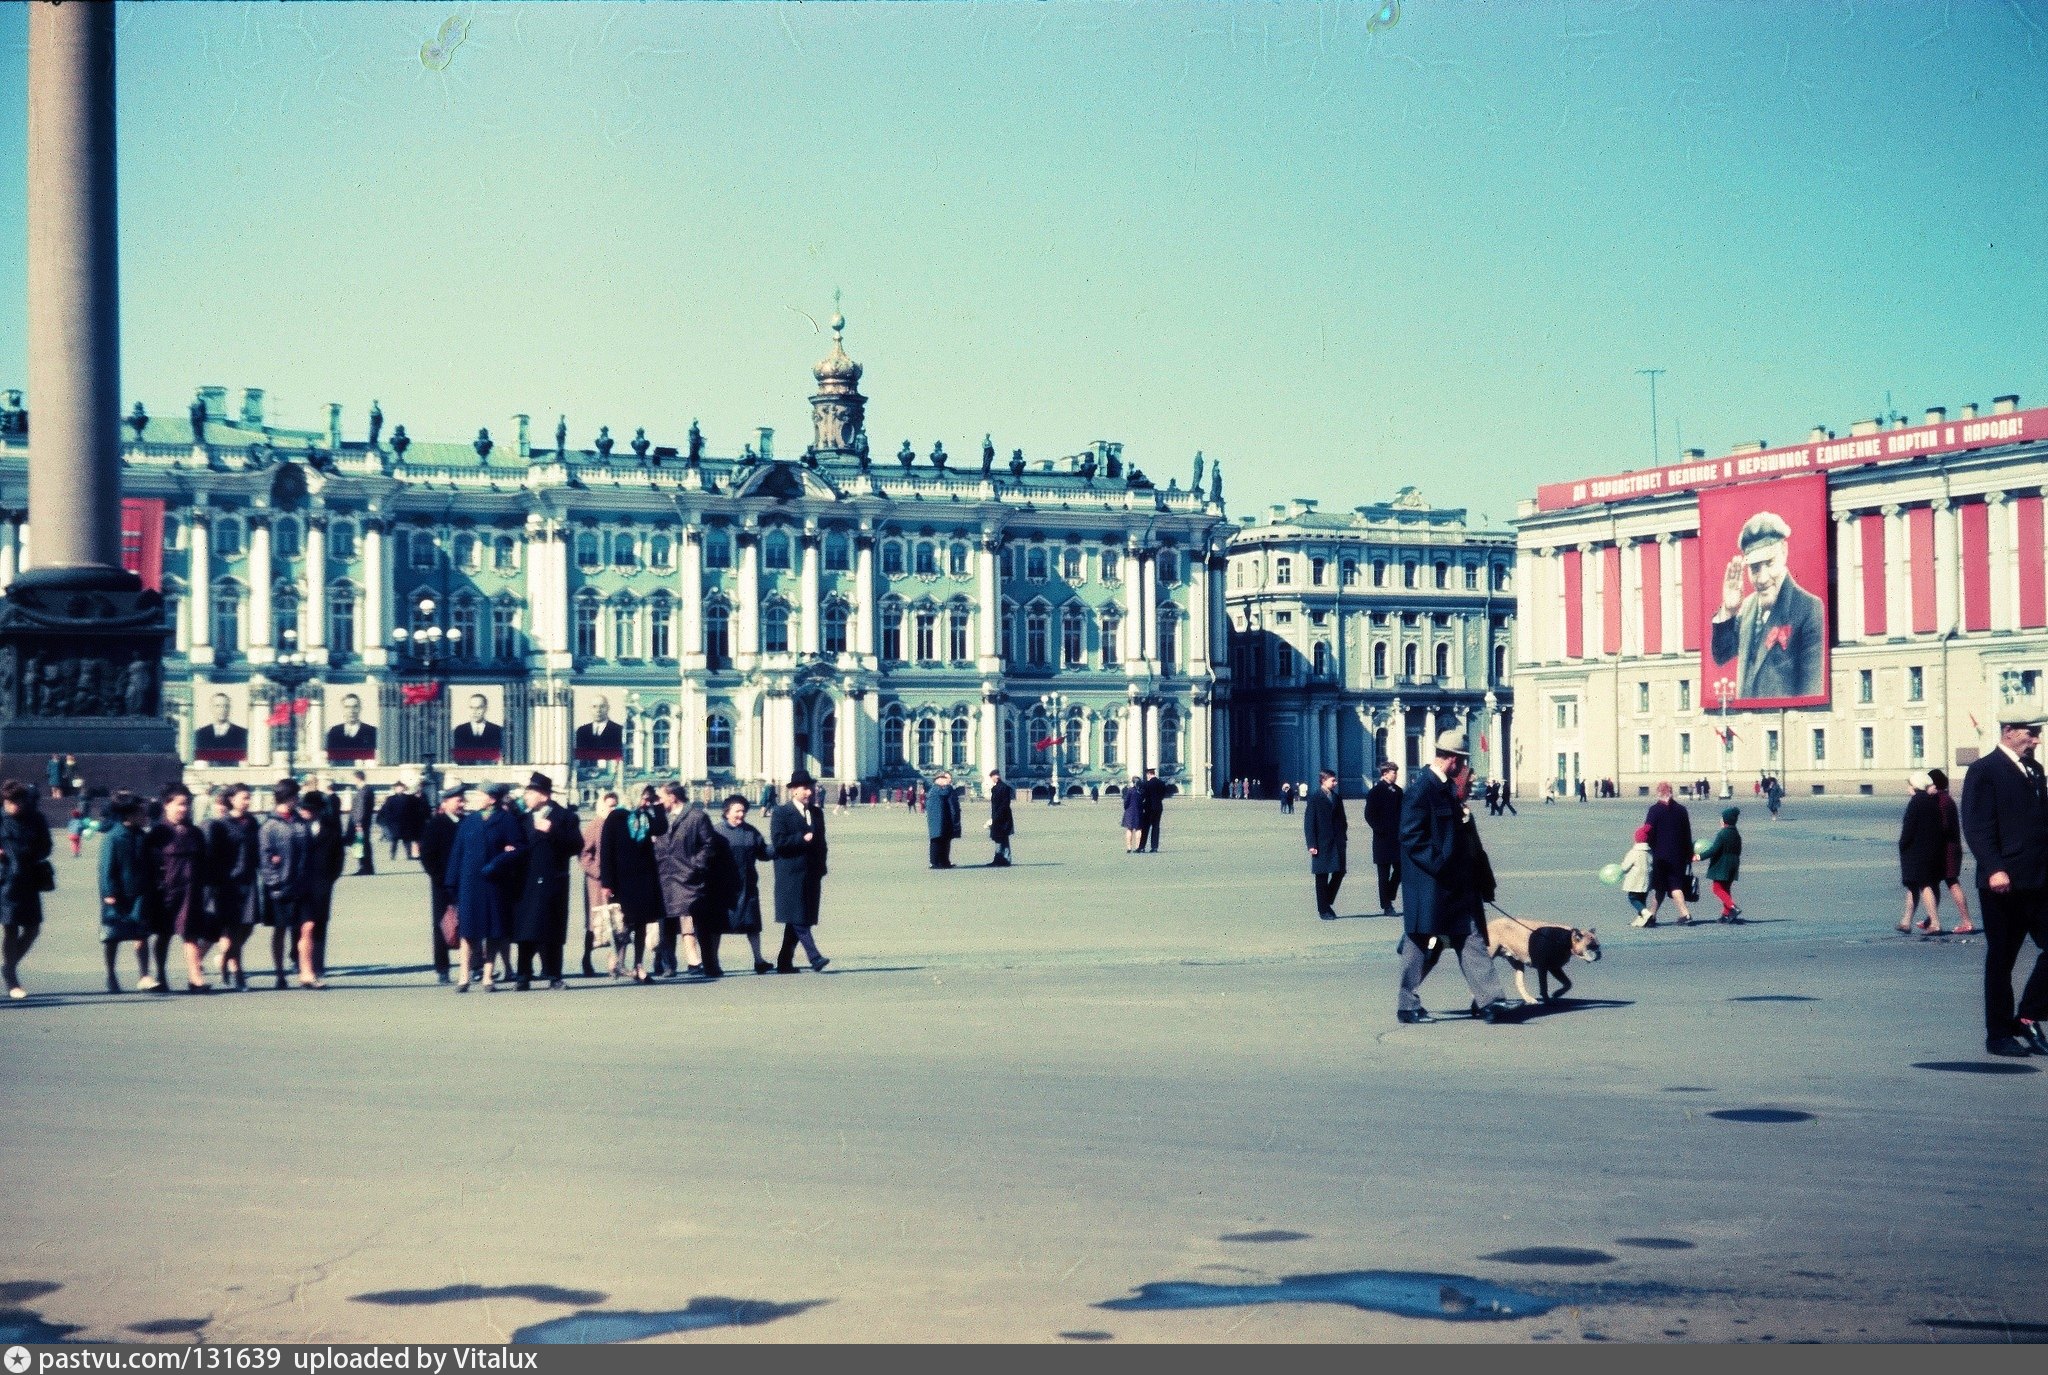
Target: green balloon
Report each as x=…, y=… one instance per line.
x=1700, y=847
x=1610, y=874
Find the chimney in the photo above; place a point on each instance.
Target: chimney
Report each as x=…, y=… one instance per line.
x=216, y=399
x=525, y=435
x=1968, y=412
x=767, y=446
x=1817, y=434
x=1861, y=427
x=252, y=406
x=1755, y=446
x=1935, y=415
x=1694, y=455
x=2005, y=405
x=334, y=427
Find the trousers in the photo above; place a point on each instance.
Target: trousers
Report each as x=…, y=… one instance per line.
x=438, y=903
x=793, y=936
x=1326, y=891
x=1473, y=961
x=1390, y=881
x=942, y=852
x=550, y=953
x=2010, y=918
x=1148, y=839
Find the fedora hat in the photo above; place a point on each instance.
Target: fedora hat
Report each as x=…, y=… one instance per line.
x=1452, y=742
x=802, y=779
x=541, y=783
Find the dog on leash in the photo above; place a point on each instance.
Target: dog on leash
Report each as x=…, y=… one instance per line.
x=1548, y=946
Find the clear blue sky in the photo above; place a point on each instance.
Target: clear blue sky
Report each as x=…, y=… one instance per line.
x=1338, y=260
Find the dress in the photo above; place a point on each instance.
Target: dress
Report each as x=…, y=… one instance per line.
x=740, y=851
x=1670, y=845
x=125, y=878
x=1923, y=844
x=1134, y=808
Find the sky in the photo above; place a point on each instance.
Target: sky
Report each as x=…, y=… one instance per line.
x=1339, y=256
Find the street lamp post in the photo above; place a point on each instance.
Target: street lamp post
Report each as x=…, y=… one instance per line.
x=1725, y=690
x=429, y=647
x=291, y=671
x=1055, y=704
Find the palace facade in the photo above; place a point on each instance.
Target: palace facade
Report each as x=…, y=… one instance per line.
x=642, y=610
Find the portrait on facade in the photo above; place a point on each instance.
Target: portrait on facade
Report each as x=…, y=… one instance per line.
x=1764, y=593
x=351, y=738
x=599, y=734
x=220, y=737
x=478, y=733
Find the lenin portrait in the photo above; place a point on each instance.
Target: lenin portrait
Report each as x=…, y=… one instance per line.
x=1776, y=634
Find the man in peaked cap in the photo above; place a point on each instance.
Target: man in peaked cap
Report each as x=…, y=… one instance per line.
x=1447, y=881
x=2005, y=821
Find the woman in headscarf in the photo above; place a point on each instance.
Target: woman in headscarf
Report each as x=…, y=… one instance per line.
x=178, y=850
x=626, y=867
x=483, y=881
x=1952, y=832
x=741, y=849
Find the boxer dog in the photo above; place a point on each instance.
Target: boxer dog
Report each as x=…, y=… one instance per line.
x=1547, y=945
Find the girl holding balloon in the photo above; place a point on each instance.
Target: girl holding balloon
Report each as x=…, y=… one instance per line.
x=1633, y=872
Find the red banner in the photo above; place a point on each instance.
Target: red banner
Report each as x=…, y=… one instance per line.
x=1886, y=446
x=283, y=712
x=1046, y=743
x=142, y=539
x=418, y=694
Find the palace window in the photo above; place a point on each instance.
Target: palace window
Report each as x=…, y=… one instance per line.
x=625, y=551
x=1379, y=572
x=505, y=643
x=1820, y=745
x=468, y=554
x=718, y=743
x=1112, y=565
x=505, y=554
x=1322, y=659
x=284, y=615
x=838, y=553
x=892, y=558
x=664, y=740
x=892, y=736
x=1379, y=660
x=1643, y=698
x=661, y=628
x=1009, y=562
x=468, y=619
x=1865, y=685
x=1169, y=739
x=1685, y=694
x=927, y=743
x=341, y=541
x=1112, y=638
x=1071, y=564
x=927, y=559
x=1916, y=684
x=958, y=729
x=775, y=628
x=892, y=632
x=1348, y=572
x=1916, y=743
x=424, y=554
x=284, y=538
x=1867, y=743
x=227, y=617
x=1006, y=634
x=1283, y=572
x=1443, y=661
x=588, y=556
x=1075, y=743
x=1501, y=576
x=586, y=627
x=1037, y=635
x=717, y=550
x=717, y=636
x=959, y=643
x=1471, y=577
x=835, y=628
x=1411, y=661
x=1074, y=638
x=1317, y=568
x=1685, y=749
x=661, y=553
x=1408, y=575
x=341, y=618
x=960, y=561
x=1112, y=735
x=1169, y=639
x=1169, y=567
x=1037, y=566
x=1443, y=575
x=926, y=621
x=775, y=551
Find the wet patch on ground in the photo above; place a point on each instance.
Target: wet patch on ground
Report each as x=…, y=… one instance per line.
x=1406, y=1293
x=1550, y=1255
x=467, y=1293
x=2016, y=1329
x=626, y=1325
x=170, y=1327
x=1091, y=1335
x=1275, y=1234
x=1762, y=1115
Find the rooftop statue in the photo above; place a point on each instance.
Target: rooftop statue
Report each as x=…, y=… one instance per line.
x=906, y=455
x=376, y=423
x=696, y=443
x=604, y=443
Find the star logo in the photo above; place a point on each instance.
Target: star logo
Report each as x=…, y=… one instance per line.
x=17, y=1360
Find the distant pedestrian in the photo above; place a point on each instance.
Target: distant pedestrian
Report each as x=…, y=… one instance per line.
x=942, y=819
x=2005, y=821
x=1448, y=882
x=741, y=848
x=1774, y=795
x=76, y=830
x=362, y=819
x=1383, y=819
x=1155, y=791
x=391, y=818
x=1134, y=815
x=283, y=850
x=600, y=913
x=631, y=872
x=1002, y=818
x=25, y=875
x=1095, y=792
x=127, y=890
x=1923, y=856
x=1324, y=830
x=1952, y=834
x=1287, y=798
x=1635, y=871
x=796, y=835
x=1724, y=865
x=1671, y=856
x=540, y=925
x=437, y=844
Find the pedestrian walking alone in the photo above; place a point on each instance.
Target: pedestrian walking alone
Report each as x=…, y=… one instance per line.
x=1324, y=828
x=1724, y=865
x=1002, y=818
x=1923, y=856
x=741, y=848
x=942, y=819
x=1952, y=834
x=2005, y=821
x=1448, y=881
x=25, y=875
x=1383, y=819
x=1287, y=799
x=1670, y=856
x=796, y=834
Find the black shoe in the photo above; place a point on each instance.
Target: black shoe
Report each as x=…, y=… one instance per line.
x=785, y=969
x=2036, y=1034
x=523, y=985
x=2011, y=1046
x=1327, y=915
x=557, y=983
x=762, y=966
x=441, y=976
x=1496, y=1012
x=1415, y=1018
x=710, y=974
x=589, y=969
x=818, y=965
x=695, y=971
x=113, y=984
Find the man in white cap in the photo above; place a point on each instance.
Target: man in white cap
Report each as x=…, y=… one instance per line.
x=2005, y=820
x=1447, y=882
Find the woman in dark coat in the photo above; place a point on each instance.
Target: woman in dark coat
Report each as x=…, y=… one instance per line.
x=1134, y=814
x=1670, y=855
x=626, y=867
x=1923, y=855
x=683, y=856
x=179, y=850
x=232, y=866
x=741, y=848
x=485, y=869
x=1952, y=829
x=127, y=889
x=327, y=851
x=24, y=862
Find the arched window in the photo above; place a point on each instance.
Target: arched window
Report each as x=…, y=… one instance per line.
x=506, y=646
x=926, y=622
x=1169, y=566
x=625, y=628
x=1074, y=743
x=1169, y=639
x=661, y=616
x=664, y=739
x=424, y=553
x=838, y=553
x=960, y=560
x=1317, y=570
x=926, y=564
x=1500, y=663
x=828, y=741
x=1169, y=739
x=1037, y=727
x=588, y=556
x=284, y=616
x=958, y=730
x=892, y=632
x=718, y=742
x=1038, y=634
x=1112, y=742
x=341, y=617
x=775, y=628
x=1322, y=659
x=892, y=736
x=1071, y=564
x=1379, y=572
x=625, y=550
x=468, y=619
x=586, y=624
x=285, y=541
x=959, y=640
x=835, y=628
x=1500, y=577
x=1283, y=571
x=1471, y=577
x=227, y=537
x=227, y=616
x=468, y=551
x=775, y=551
x=1379, y=660
x=1037, y=567
x=717, y=548
x=892, y=558
x=1112, y=565
x=1007, y=561
x=1407, y=575
x=1443, y=661
x=661, y=552
x=1006, y=638
x=1348, y=572
x=1074, y=634
x=1011, y=757
x=1112, y=637
x=717, y=636
x=1410, y=657
x=1443, y=575
x=341, y=541
x=505, y=554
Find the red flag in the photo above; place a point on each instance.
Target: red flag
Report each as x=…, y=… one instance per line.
x=1046, y=743
x=417, y=694
x=1484, y=744
x=283, y=712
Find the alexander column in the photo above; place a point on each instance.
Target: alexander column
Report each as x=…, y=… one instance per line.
x=81, y=640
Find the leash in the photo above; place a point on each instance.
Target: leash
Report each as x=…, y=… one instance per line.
x=1510, y=916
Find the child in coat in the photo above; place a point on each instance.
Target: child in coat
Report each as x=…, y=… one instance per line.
x=1724, y=865
x=1635, y=874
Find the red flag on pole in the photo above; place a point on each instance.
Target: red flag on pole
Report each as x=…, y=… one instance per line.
x=1046, y=743
x=283, y=712
x=418, y=694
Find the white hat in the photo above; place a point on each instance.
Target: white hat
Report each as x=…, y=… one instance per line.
x=1452, y=742
x=1920, y=782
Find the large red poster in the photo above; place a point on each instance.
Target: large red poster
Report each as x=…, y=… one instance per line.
x=142, y=539
x=1763, y=598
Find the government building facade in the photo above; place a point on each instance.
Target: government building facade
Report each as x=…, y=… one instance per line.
x=628, y=610
x=1356, y=637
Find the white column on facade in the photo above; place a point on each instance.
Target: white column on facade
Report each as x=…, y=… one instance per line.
x=747, y=615
x=1127, y=626
x=1526, y=564
x=313, y=595
x=866, y=633
x=1219, y=620
x=199, y=563
x=1428, y=734
x=1148, y=616
x=808, y=593
x=1670, y=605
x=1133, y=741
x=991, y=580
x=2005, y=593
x=261, y=645
x=1197, y=647
x=691, y=569
x=371, y=635
x=10, y=550
x=991, y=734
x=1631, y=599
x=1848, y=577
x=1898, y=574
x=1150, y=714
x=850, y=754
x=1591, y=635
x=260, y=729
x=1947, y=567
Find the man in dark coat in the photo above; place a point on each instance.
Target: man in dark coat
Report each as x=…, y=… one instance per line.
x=1324, y=826
x=1155, y=790
x=362, y=817
x=541, y=923
x=328, y=856
x=2005, y=821
x=796, y=837
x=1448, y=881
x=1383, y=816
x=942, y=819
x=1002, y=818
x=434, y=848
x=683, y=854
x=1670, y=855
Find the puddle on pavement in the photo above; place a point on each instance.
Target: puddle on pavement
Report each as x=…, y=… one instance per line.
x=465, y=1293
x=1775, y=998
x=1655, y=1243
x=2028, y=1329
x=1762, y=1115
x=1551, y=1255
x=170, y=1327
x=1277, y=1234
x=1686, y=1088
x=1406, y=1293
x=629, y=1326
x=1976, y=1066
x=1089, y=1336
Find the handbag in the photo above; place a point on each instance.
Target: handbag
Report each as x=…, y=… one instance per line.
x=132, y=925
x=607, y=921
x=1692, y=885
x=451, y=927
x=45, y=875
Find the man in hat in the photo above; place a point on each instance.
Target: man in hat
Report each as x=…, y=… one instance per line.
x=541, y=923
x=1002, y=818
x=1448, y=881
x=435, y=846
x=1153, y=792
x=796, y=838
x=1777, y=632
x=2005, y=821
x=942, y=819
x=1383, y=817
x=1325, y=829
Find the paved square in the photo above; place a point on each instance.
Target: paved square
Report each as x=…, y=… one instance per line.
x=1093, y=1097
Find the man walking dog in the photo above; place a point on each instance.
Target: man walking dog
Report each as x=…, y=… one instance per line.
x=1447, y=880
